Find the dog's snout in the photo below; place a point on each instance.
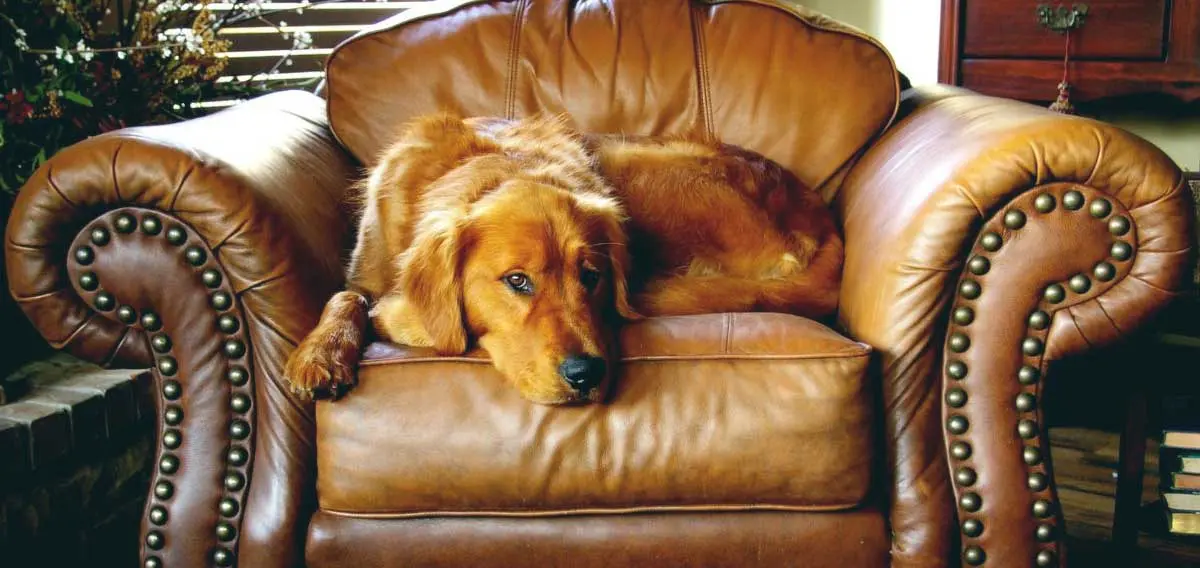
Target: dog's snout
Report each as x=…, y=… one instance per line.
x=582, y=372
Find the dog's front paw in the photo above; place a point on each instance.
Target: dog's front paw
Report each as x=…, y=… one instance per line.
x=322, y=369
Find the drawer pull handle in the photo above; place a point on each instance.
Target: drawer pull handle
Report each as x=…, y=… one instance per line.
x=1062, y=19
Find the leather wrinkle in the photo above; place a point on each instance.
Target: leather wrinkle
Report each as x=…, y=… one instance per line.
x=116, y=184
x=701, y=62
x=179, y=187
x=54, y=186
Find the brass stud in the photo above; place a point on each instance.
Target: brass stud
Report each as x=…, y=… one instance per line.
x=1044, y=533
x=195, y=256
x=1121, y=250
x=1042, y=509
x=965, y=476
x=172, y=439
x=104, y=301
x=223, y=557
x=1027, y=429
x=1026, y=402
x=237, y=375
x=88, y=281
x=239, y=403
x=211, y=277
x=176, y=235
x=991, y=242
x=172, y=390
x=226, y=532
x=1039, y=320
x=173, y=415
x=1014, y=219
x=1045, y=558
x=155, y=540
x=85, y=255
x=1032, y=346
x=974, y=555
x=979, y=265
x=1079, y=284
x=164, y=490
x=228, y=507
x=956, y=398
x=153, y=562
x=227, y=323
x=158, y=515
x=1104, y=271
x=125, y=223
x=957, y=370
x=1073, y=200
x=1028, y=375
x=126, y=314
x=221, y=300
x=969, y=289
x=100, y=236
x=234, y=481
x=1055, y=293
x=1044, y=203
x=168, y=366
x=151, y=321
x=970, y=502
x=238, y=456
x=972, y=527
x=1118, y=225
x=234, y=348
x=168, y=464
x=239, y=429
x=160, y=343
x=1100, y=208
x=957, y=424
x=151, y=225
x=1031, y=455
x=960, y=450
x=959, y=342
x=964, y=315
x=1037, y=481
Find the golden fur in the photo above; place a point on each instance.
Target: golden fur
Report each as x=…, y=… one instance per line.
x=458, y=211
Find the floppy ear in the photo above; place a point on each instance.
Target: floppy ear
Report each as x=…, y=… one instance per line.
x=617, y=247
x=430, y=287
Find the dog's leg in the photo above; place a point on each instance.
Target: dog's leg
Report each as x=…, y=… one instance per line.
x=324, y=364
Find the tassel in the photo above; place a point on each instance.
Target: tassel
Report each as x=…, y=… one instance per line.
x=1063, y=104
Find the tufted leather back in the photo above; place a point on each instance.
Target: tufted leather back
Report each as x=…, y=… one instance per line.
x=767, y=75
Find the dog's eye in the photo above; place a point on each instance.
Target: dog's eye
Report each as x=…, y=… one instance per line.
x=589, y=278
x=519, y=283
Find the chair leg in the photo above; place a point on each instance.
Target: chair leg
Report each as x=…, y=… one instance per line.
x=1129, y=483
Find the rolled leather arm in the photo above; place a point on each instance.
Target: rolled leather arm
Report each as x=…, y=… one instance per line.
x=204, y=248
x=984, y=239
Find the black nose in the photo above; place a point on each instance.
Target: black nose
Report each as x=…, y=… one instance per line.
x=582, y=372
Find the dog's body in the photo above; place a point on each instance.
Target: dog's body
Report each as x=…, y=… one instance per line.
x=537, y=241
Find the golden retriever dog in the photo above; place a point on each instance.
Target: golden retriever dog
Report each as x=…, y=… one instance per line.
x=536, y=242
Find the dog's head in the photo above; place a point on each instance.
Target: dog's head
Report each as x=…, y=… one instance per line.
x=536, y=273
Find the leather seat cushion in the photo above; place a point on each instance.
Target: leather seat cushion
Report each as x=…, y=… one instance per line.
x=710, y=412
x=857, y=538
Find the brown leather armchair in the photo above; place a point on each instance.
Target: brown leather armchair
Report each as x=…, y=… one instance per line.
x=985, y=239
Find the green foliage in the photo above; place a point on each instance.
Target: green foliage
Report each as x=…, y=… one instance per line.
x=71, y=69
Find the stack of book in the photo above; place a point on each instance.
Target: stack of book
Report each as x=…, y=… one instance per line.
x=1179, y=464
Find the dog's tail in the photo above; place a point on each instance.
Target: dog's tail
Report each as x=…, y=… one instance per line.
x=810, y=292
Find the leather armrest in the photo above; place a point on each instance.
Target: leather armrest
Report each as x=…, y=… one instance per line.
x=205, y=248
x=970, y=216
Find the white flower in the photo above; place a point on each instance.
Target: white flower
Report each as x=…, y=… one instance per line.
x=282, y=24
x=166, y=51
x=42, y=57
x=20, y=43
x=288, y=62
x=175, y=106
x=58, y=52
x=301, y=40
x=120, y=55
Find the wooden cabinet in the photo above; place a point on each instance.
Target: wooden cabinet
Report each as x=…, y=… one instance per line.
x=1122, y=47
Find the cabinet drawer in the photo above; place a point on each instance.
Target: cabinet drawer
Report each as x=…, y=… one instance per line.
x=1113, y=29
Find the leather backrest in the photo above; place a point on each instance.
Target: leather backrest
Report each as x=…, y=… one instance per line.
x=767, y=75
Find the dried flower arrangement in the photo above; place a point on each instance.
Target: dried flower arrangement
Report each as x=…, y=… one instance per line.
x=70, y=69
